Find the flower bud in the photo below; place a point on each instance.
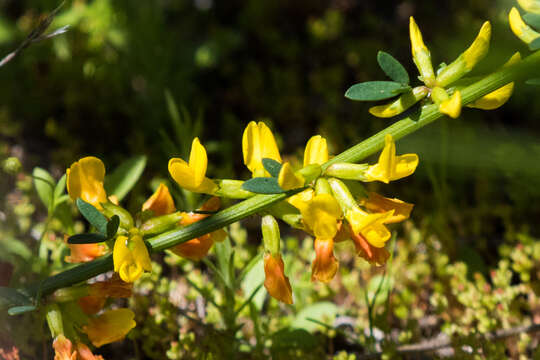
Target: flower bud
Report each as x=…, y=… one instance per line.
x=342, y=195
x=421, y=54
x=275, y=281
x=161, y=202
x=110, y=209
x=54, y=320
x=325, y=265
x=316, y=151
x=270, y=233
x=310, y=172
x=157, y=225
x=232, y=189
x=347, y=171
x=12, y=165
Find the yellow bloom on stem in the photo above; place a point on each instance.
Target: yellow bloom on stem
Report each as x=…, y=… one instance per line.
x=523, y=31
x=161, y=202
x=63, y=349
x=380, y=204
x=325, y=265
x=85, y=353
x=321, y=214
x=288, y=180
x=374, y=255
x=452, y=106
x=391, y=167
x=110, y=326
x=421, y=54
x=192, y=175
x=275, y=281
x=130, y=256
x=316, y=151
x=371, y=226
x=258, y=143
x=85, y=180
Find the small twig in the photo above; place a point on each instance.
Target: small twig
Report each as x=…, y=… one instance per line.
x=438, y=343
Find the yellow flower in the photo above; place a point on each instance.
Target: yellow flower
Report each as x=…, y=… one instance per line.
x=421, y=54
x=110, y=326
x=380, y=204
x=370, y=226
x=130, y=256
x=374, y=255
x=325, y=265
x=452, y=106
x=288, y=180
x=391, y=167
x=161, y=202
x=275, y=281
x=316, y=151
x=192, y=175
x=321, y=214
x=401, y=104
x=532, y=6
x=258, y=143
x=85, y=180
x=520, y=29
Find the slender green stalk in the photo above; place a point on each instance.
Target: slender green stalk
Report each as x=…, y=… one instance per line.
x=427, y=114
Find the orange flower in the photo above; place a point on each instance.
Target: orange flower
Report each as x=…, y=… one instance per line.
x=374, y=255
x=86, y=354
x=83, y=252
x=98, y=293
x=275, y=282
x=110, y=326
x=161, y=202
x=325, y=265
x=91, y=304
x=381, y=204
x=63, y=349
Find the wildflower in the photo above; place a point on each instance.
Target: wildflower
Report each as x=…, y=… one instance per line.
x=288, y=180
x=452, y=105
x=421, y=54
x=371, y=226
x=85, y=353
x=258, y=143
x=380, y=204
x=532, y=6
x=401, y=104
x=275, y=281
x=192, y=175
x=391, y=167
x=196, y=249
x=110, y=326
x=85, y=180
x=316, y=151
x=130, y=256
x=161, y=202
x=523, y=31
x=84, y=252
x=374, y=255
x=63, y=349
x=325, y=265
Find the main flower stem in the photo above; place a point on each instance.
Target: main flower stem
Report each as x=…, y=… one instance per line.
x=426, y=115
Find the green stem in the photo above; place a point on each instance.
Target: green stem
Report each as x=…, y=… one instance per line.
x=426, y=115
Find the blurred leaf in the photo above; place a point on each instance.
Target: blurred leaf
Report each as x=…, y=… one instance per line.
x=375, y=90
x=93, y=216
x=322, y=311
x=535, y=82
x=88, y=238
x=293, y=339
x=112, y=226
x=44, y=184
x=272, y=166
x=16, y=247
x=59, y=191
x=223, y=253
x=125, y=176
x=535, y=44
x=532, y=19
x=378, y=289
x=262, y=185
x=253, y=279
x=17, y=310
x=10, y=296
x=392, y=68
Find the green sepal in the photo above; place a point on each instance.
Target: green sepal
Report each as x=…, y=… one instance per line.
x=112, y=226
x=88, y=238
x=17, y=310
x=392, y=68
x=272, y=166
x=532, y=20
x=93, y=215
x=110, y=209
x=375, y=90
x=263, y=185
x=535, y=44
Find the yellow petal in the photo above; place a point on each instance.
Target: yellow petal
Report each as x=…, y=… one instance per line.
x=383, y=170
x=110, y=326
x=185, y=176
x=380, y=204
x=257, y=143
x=302, y=199
x=322, y=214
x=405, y=166
x=402, y=103
x=161, y=202
x=479, y=47
x=520, y=29
x=532, y=6
x=288, y=180
x=121, y=253
x=198, y=161
x=452, y=106
x=140, y=253
x=85, y=180
x=371, y=226
x=316, y=151
x=421, y=54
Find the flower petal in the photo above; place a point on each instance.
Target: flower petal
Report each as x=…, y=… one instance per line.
x=316, y=151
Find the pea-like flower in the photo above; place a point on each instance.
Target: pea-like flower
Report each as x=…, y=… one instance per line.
x=85, y=180
x=275, y=281
x=111, y=326
x=63, y=349
x=161, y=202
x=523, y=31
x=130, y=256
x=258, y=143
x=192, y=176
x=316, y=151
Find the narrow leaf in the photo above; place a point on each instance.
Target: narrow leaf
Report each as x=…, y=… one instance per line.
x=125, y=176
x=44, y=184
x=272, y=166
x=59, y=190
x=11, y=296
x=532, y=20
x=88, y=238
x=392, y=68
x=535, y=82
x=263, y=185
x=112, y=226
x=535, y=44
x=17, y=310
x=93, y=216
x=375, y=90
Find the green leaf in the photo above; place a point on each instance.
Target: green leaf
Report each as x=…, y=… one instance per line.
x=9, y=296
x=293, y=339
x=88, y=238
x=272, y=166
x=263, y=185
x=322, y=311
x=375, y=90
x=44, y=184
x=379, y=288
x=535, y=44
x=532, y=19
x=253, y=278
x=125, y=176
x=392, y=68
x=112, y=226
x=59, y=191
x=17, y=310
x=535, y=82
x=93, y=216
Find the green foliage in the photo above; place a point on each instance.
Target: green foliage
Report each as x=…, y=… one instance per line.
x=92, y=215
x=263, y=185
x=125, y=176
x=375, y=90
x=392, y=68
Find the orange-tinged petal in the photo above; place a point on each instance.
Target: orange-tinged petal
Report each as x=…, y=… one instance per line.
x=371, y=226
x=86, y=354
x=63, y=349
x=90, y=304
x=84, y=252
x=85, y=180
x=316, y=151
x=110, y=326
x=380, y=204
x=194, y=249
x=275, y=282
x=114, y=287
x=374, y=255
x=161, y=202
x=325, y=265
